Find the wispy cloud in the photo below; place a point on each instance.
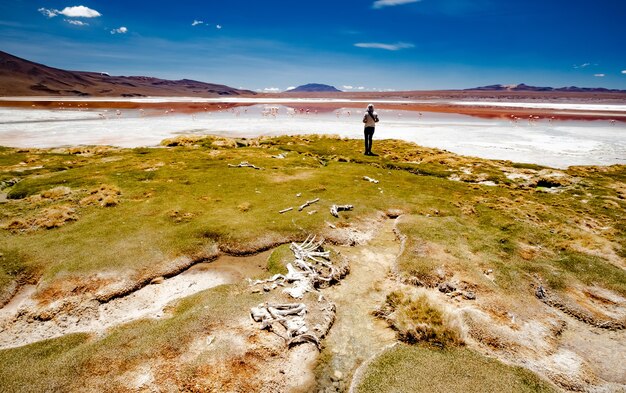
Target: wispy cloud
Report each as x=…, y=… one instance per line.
x=390, y=3
x=48, y=13
x=379, y=45
x=79, y=11
x=290, y=88
x=76, y=22
x=219, y=27
x=197, y=22
x=623, y=71
x=599, y=75
x=583, y=65
x=120, y=30
x=271, y=90
x=347, y=87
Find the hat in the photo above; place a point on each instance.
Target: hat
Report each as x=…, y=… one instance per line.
x=370, y=106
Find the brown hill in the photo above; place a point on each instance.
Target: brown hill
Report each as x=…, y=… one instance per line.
x=19, y=77
x=523, y=87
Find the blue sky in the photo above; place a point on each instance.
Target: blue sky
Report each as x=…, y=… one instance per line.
x=383, y=44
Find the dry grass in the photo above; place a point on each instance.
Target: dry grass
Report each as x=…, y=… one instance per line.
x=48, y=218
x=418, y=320
x=56, y=192
x=103, y=196
x=244, y=207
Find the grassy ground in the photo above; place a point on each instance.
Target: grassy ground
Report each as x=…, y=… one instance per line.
x=418, y=369
x=128, y=212
x=183, y=199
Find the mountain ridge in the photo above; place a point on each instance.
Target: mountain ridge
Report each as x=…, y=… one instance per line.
x=314, y=88
x=21, y=77
x=525, y=87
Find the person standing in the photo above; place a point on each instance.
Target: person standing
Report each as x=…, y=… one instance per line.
x=369, y=119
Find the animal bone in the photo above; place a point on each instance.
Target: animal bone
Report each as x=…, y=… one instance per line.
x=310, y=267
x=244, y=164
x=290, y=316
x=335, y=209
x=308, y=203
x=286, y=210
x=308, y=337
x=369, y=179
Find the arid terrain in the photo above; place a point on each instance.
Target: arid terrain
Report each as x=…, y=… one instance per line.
x=293, y=264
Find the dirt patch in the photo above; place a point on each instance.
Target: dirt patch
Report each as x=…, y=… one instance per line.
x=242, y=358
x=25, y=321
x=597, y=307
x=603, y=351
x=356, y=335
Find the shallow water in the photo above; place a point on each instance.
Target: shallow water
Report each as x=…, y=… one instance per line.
x=552, y=143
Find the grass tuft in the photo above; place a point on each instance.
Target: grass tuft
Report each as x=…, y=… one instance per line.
x=417, y=320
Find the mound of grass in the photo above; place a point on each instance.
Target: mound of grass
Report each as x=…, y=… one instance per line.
x=50, y=365
x=419, y=321
x=13, y=267
x=278, y=260
x=418, y=369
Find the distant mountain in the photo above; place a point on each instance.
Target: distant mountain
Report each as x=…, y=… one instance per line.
x=19, y=77
x=314, y=88
x=524, y=87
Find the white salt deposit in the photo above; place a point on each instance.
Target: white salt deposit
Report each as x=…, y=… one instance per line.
x=547, y=105
x=557, y=144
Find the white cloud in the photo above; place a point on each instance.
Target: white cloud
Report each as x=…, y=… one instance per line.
x=599, y=75
x=361, y=88
x=219, y=27
x=623, y=71
x=348, y=87
x=79, y=11
x=271, y=90
x=390, y=3
x=196, y=22
x=76, y=22
x=291, y=87
x=121, y=30
x=583, y=65
x=378, y=45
